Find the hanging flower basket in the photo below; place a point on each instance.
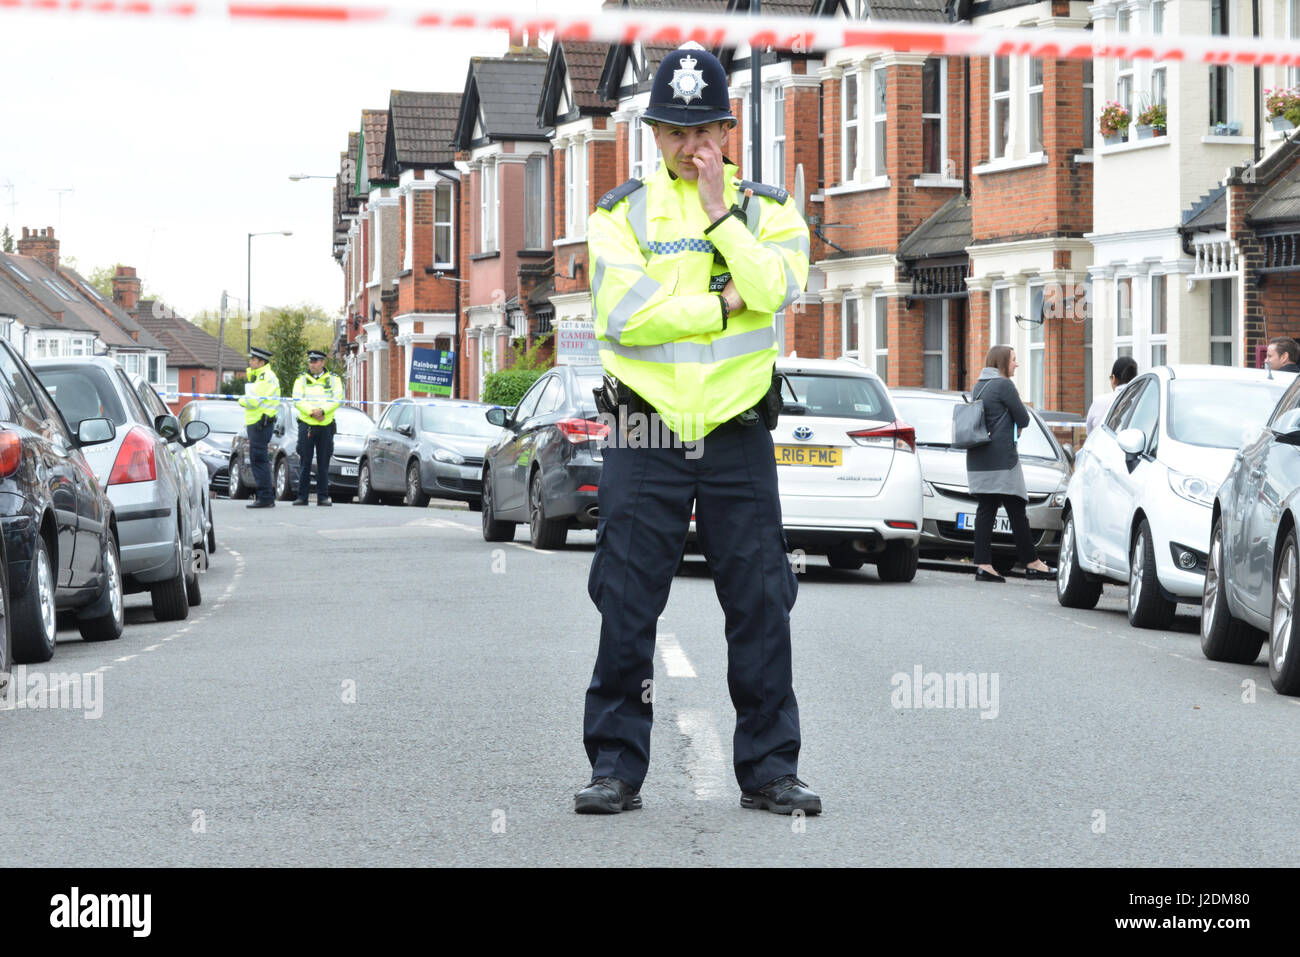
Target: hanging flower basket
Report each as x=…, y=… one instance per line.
x=1282, y=104
x=1114, y=122
x=1151, y=121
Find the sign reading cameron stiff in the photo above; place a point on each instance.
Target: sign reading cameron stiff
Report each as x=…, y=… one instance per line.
x=575, y=343
x=431, y=371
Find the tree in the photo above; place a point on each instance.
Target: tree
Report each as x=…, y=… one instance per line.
x=287, y=341
x=6, y=241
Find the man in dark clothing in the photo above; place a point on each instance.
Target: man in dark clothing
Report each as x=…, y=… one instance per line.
x=1282, y=354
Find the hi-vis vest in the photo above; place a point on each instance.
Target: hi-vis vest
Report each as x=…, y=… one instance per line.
x=658, y=327
x=310, y=392
x=261, y=394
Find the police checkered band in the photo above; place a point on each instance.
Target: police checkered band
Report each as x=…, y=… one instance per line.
x=315, y=354
x=680, y=246
x=257, y=352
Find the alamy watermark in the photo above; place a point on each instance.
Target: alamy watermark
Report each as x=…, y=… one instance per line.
x=951, y=691
x=42, y=691
x=639, y=430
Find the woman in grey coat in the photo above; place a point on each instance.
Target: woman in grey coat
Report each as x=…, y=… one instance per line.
x=993, y=469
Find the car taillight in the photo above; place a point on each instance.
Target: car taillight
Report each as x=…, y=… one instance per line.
x=897, y=435
x=134, y=462
x=11, y=453
x=582, y=430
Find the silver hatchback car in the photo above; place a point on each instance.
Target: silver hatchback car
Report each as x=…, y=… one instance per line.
x=157, y=519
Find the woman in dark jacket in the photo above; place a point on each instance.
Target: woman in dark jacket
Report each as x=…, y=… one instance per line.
x=993, y=470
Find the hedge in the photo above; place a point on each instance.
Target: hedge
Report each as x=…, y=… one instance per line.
x=508, y=386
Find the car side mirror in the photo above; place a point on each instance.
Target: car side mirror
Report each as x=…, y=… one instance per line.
x=407, y=430
x=1132, y=441
x=95, y=431
x=497, y=416
x=195, y=431
x=167, y=427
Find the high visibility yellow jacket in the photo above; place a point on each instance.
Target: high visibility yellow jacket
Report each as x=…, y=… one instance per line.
x=261, y=394
x=658, y=327
x=310, y=392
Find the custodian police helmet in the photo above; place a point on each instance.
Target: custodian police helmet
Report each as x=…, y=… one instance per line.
x=690, y=89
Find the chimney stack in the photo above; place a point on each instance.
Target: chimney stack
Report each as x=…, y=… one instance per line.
x=126, y=290
x=41, y=245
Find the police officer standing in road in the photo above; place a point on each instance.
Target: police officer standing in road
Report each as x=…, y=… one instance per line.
x=316, y=395
x=689, y=267
x=260, y=401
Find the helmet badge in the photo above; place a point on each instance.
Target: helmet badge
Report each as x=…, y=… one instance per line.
x=687, y=82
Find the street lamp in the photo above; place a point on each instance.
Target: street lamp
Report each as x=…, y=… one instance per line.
x=248, y=300
x=296, y=177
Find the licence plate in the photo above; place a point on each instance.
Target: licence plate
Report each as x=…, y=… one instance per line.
x=821, y=455
x=1001, y=524
x=348, y=470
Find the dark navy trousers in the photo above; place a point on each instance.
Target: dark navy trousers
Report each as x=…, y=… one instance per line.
x=320, y=439
x=259, y=436
x=645, y=502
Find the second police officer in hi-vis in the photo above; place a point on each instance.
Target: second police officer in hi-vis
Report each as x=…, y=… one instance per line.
x=688, y=268
x=260, y=400
x=316, y=396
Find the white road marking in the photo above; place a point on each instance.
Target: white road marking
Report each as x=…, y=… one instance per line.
x=153, y=647
x=675, y=661
x=706, y=764
x=126, y=658
x=529, y=548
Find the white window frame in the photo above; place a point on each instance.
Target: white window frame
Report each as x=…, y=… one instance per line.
x=1124, y=344
x=777, y=157
x=448, y=224
x=408, y=205
x=536, y=204
x=941, y=116
x=879, y=121
x=641, y=149
x=1125, y=75
x=1159, y=283
x=999, y=97
x=1037, y=347
x=376, y=247
x=879, y=352
x=489, y=206
x=851, y=138
x=1089, y=105
x=1087, y=342
x=1293, y=32
x=942, y=351
x=575, y=189
x=149, y=361
x=851, y=320
x=1001, y=293
x=1230, y=86
x=1034, y=96
x=1230, y=339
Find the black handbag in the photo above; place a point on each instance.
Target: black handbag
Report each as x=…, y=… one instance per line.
x=969, y=429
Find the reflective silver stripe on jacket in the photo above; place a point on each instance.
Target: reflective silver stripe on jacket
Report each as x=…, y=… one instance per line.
x=732, y=347
x=636, y=218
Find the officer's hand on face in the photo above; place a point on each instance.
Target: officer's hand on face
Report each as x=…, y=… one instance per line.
x=707, y=158
x=730, y=293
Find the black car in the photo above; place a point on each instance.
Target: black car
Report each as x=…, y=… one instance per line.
x=353, y=426
x=225, y=419
x=545, y=468
x=426, y=448
x=60, y=533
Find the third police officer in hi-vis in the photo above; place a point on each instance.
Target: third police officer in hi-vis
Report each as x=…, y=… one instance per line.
x=316, y=396
x=688, y=268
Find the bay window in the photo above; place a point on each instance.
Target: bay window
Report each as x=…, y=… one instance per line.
x=933, y=100
x=852, y=119
x=1000, y=97
x=443, y=227
x=879, y=121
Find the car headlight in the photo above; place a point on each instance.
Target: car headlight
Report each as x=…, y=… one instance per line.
x=446, y=455
x=927, y=489
x=206, y=448
x=1057, y=498
x=1192, y=487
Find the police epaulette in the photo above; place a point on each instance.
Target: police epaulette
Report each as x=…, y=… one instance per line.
x=619, y=192
x=762, y=189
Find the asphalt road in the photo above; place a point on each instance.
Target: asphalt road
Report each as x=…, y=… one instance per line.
x=376, y=685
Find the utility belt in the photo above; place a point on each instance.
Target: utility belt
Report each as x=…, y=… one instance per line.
x=617, y=398
x=263, y=422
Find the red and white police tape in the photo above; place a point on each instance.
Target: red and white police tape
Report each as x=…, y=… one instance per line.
x=288, y=398
x=672, y=28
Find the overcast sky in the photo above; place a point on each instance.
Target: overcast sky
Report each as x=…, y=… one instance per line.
x=178, y=140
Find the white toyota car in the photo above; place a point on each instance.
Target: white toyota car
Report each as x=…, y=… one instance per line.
x=849, y=477
x=1138, y=506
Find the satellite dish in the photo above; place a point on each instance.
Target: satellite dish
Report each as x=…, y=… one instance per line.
x=798, y=190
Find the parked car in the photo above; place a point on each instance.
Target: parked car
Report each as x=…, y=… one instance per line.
x=544, y=468
x=1139, y=504
x=192, y=471
x=157, y=520
x=425, y=448
x=949, y=529
x=353, y=427
x=225, y=420
x=849, y=476
x=1252, y=573
x=60, y=531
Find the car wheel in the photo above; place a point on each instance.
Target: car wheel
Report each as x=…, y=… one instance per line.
x=494, y=531
x=542, y=531
x=1003, y=563
x=365, y=491
x=170, y=602
x=415, y=496
x=899, y=562
x=212, y=533
x=1073, y=588
x=6, y=649
x=1147, y=608
x=193, y=588
x=32, y=612
x=845, y=559
x=1223, y=637
x=105, y=619
x=1284, y=642
x=237, y=487
x=283, y=484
